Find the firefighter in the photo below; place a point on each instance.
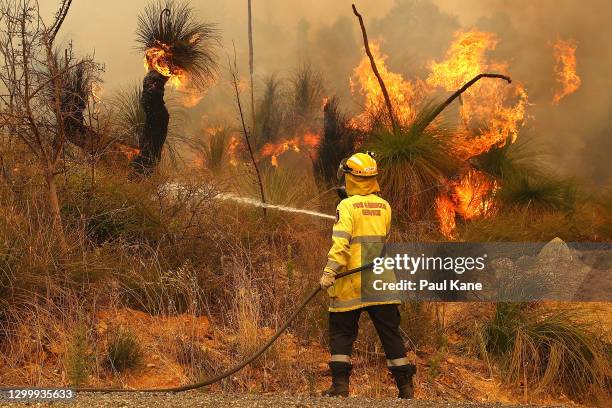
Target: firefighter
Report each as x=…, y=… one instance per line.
x=363, y=220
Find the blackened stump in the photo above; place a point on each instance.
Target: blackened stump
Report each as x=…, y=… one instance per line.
x=155, y=129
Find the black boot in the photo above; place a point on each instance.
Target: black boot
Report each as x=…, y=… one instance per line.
x=340, y=379
x=403, y=379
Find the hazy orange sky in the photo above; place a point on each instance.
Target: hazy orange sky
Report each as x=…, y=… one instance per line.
x=525, y=28
x=107, y=27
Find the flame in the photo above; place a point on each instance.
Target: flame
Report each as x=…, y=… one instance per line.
x=403, y=94
x=492, y=103
x=445, y=210
x=564, y=52
x=309, y=140
x=473, y=194
x=159, y=58
x=492, y=113
x=129, y=151
x=232, y=149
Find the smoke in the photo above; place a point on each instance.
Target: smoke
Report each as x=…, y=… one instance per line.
x=412, y=33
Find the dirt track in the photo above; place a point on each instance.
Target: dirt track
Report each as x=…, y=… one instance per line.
x=200, y=399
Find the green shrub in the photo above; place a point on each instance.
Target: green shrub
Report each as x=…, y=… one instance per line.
x=543, y=192
x=123, y=351
x=78, y=357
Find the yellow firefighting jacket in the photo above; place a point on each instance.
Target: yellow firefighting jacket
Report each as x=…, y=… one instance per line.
x=363, y=221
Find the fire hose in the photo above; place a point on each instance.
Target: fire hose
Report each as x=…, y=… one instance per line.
x=244, y=363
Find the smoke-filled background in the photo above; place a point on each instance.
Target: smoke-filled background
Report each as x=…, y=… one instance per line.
x=412, y=33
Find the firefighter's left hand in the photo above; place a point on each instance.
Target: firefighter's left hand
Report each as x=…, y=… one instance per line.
x=327, y=280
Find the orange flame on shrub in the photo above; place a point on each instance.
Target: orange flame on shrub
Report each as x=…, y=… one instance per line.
x=159, y=58
x=492, y=114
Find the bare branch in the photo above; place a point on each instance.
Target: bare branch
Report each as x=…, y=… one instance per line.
x=383, y=88
x=458, y=93
x=234, y=73
x=59, y=19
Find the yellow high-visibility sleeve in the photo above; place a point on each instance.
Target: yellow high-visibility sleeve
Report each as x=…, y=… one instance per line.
x=339, y=254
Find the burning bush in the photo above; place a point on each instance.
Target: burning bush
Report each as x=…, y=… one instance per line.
x=176, y=48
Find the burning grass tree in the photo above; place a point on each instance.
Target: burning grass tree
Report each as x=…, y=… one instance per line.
x=178, y=49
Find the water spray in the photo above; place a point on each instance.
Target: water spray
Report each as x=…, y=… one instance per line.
x=257, y=203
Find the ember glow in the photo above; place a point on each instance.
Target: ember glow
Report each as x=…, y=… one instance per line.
x=473, y=194
x=232, y=150
x=567, y=79
x=308, y=141
x=445, y=209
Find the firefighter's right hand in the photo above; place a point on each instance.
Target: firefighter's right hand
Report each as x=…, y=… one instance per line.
x=327, y=280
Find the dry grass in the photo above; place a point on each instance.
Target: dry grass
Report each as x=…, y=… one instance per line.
x=158, y=260
x=550, y=349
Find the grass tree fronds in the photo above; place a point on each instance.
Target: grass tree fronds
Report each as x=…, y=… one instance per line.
x=76, y=94
x=269, y=113
x=415, y=161
x=381, y=83
x=215, y=152
x=307, y=92
x=130, y=115
x=192, y=44
x=545, y=192
x=549, y=348
x=510, y=160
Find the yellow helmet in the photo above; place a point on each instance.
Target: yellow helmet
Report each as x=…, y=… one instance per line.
x=360, y=164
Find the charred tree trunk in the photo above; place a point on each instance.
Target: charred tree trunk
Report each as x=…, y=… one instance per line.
x=155, y=128
x=337, y=143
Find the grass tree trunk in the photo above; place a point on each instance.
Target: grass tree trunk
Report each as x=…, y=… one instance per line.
x=155, y=129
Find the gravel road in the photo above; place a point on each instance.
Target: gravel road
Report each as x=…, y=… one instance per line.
x=200, y=399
